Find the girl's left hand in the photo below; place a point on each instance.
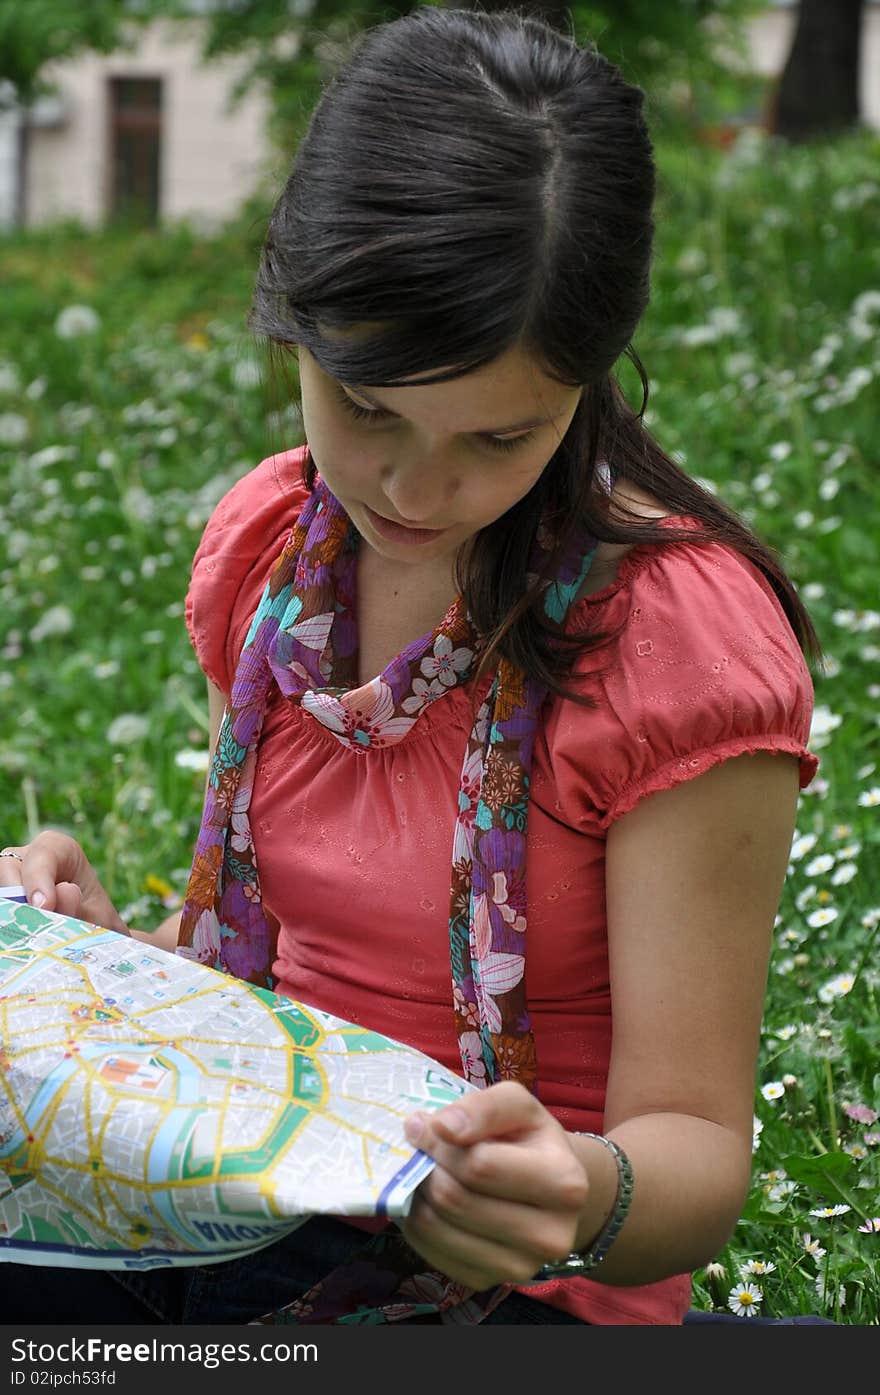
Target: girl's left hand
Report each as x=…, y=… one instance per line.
x=506, y=1193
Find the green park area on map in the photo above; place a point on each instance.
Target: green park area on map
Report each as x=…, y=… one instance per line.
x=154, y=1111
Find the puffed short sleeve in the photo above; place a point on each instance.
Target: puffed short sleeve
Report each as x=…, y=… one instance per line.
x=242, y=540
x=705, y=667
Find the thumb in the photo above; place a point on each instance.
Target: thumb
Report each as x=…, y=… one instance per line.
x=502, y=1110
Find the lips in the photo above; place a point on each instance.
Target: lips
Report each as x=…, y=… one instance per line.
x=410, y=527
x=401, y=532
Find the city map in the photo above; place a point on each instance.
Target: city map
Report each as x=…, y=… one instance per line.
x=154, y=1111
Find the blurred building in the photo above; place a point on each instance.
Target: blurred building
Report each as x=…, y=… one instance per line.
x=150, y=131
x=147, y=131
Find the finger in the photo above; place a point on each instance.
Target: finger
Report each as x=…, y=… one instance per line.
x=57, y=852
x=541, y=1169
x=503, y=1109
x=539, y=1232
x=54, y=860
x=478, y=1261
x=552, y=1177
x=68, y=900
x=10, y=871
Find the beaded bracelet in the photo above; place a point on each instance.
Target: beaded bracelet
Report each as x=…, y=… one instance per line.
x=583, y=1262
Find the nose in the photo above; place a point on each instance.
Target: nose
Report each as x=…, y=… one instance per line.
x=421, y=490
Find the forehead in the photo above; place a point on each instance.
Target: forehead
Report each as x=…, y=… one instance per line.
x=513, y=381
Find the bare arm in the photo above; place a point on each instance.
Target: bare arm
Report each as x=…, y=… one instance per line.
x=166, y=934
x=693, y=879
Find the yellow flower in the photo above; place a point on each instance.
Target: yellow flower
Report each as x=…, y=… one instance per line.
x=156, y=886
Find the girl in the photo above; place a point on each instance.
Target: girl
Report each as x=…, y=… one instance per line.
x=481, y=657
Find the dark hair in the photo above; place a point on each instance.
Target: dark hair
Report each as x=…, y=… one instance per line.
x=468, y=182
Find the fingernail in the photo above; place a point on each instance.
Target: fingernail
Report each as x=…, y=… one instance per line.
x=455, y=1120
x=38, y=899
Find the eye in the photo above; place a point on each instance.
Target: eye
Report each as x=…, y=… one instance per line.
x=373, y=414
x=507, y=442
x=362, y=413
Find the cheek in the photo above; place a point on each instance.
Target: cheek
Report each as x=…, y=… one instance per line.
x=510, y=481
x=340, y=453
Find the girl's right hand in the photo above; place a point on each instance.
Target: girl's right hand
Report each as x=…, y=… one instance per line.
x=55, y=865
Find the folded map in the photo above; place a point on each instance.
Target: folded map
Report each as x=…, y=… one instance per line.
x=154, y=1111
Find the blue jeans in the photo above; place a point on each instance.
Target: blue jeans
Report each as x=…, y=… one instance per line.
x=234, y=1292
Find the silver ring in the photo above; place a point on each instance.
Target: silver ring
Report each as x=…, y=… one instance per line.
x=9, y=852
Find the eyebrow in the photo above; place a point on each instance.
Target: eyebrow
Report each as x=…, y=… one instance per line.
x=498, y=431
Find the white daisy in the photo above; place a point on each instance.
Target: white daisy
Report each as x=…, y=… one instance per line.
x=801, y=845
x=823, y=863
x=826, y=1293
x=812, y=1247
x=850, y=851
x=823, y=723
x=10, y=380
x=826, y=1212
x=844, y=873
x=781, y=1191
x=786, y=1033
x=803, y=898
x=13, y=429
x=773, y=1090
x=836, y=988
x=192, y=760
x=58, y=620
x=757, y=1266
x=745, y=1299
x=823, y=916
x=856, y=1150
x=776, y=1174
x=818, y=788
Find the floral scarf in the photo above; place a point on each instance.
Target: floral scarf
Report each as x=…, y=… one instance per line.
x=303, y=637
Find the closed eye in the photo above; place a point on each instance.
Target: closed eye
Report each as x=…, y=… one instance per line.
x=376, y=414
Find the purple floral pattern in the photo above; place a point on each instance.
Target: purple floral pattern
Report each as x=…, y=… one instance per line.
x=303, y=638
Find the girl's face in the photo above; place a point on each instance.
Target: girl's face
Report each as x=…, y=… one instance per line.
x=420, y=469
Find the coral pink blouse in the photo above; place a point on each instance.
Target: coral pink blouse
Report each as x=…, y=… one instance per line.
x=354, y=850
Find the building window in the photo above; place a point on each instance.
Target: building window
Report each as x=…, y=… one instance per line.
x=135, y=148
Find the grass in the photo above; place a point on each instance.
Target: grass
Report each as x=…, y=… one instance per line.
x=761, y=347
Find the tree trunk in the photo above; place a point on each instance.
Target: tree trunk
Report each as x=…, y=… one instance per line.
x=818, y=92
x=22, y=173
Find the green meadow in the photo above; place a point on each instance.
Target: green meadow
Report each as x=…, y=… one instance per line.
x=132, y=398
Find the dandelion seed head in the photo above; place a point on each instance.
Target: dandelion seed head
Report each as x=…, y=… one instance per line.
x=75, y=320
x=126, y=729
